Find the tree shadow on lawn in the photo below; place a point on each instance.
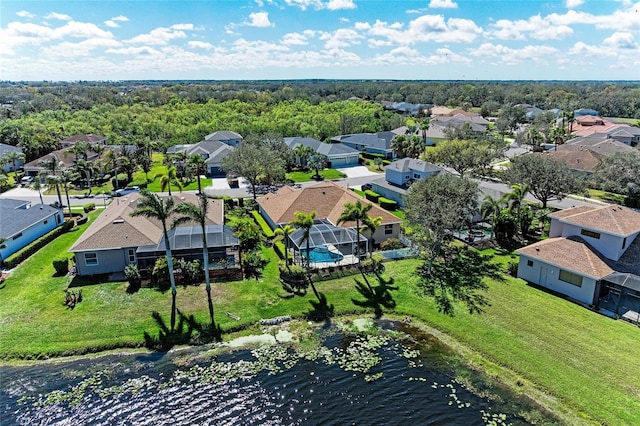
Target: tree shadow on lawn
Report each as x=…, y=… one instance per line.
x=183, y=333
x=377, y=297
x=321, y=310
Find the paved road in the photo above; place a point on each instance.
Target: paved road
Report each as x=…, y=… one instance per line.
x=356, y=176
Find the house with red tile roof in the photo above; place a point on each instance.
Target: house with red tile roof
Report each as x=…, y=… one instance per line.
x=586, y=247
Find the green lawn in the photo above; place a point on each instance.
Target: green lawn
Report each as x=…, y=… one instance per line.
x=327, y=174
x=585, y=363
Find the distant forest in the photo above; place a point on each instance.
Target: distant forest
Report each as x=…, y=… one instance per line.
x=36, y=116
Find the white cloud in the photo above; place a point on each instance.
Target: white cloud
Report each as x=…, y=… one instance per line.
x=422, y=29
x=443, y=4
x=536, y=27
x=81, y=49
x=199, y=44
x=620, y=20
x=58, y=16
x=157, y=36
x=344, y=37
x=259, y=19
x=408, y=56
x=182, y=27
x=292, y=39
x=340, y=4
x=318, y=4
x=25, y=14
x=621, y=40
x=512, y=56
x=113, y=22
x=572, y=4
x=144, y=50
x=582, y=49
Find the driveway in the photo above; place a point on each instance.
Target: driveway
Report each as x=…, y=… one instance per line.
x=357, y=171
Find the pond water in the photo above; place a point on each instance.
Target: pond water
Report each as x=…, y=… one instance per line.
x=351, y=378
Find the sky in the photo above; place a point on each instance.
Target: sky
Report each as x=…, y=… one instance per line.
x=319, y=39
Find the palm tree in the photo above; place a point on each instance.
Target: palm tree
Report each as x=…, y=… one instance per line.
x=12, y=157
x=53, y=167
x=399, y=145
x=37, y=185
x=197, y=163
x=192, y=213
x=86, y=167
x=171, y=178
x=371, y=224
x=283, y=233
x=516, y=199
x=154, y=207
x=355, y=212
x=65, y=177
x=491, y=208
x=304, y=221
x=79, y=150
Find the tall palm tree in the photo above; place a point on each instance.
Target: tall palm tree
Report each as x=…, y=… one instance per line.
x=65, y=177
x=85, y=167
x=304, y=221
x=371, y=224
x=52, y=166
x=490, y=209
x=191, y=213
x=37, y=185
x=197, y=163
x=12, y=157
x=358, y=213
x=283, y=232
x=516, y=200
x=154, y=207
x=171, y=178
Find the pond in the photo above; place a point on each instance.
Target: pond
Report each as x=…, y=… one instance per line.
x=384, y=377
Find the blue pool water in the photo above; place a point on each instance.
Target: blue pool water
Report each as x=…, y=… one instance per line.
x=322, y=254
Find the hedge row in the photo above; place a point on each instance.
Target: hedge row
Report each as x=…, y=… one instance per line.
x=266, y=229
x=21, y=255
x=371, y=156
x=387, y=204
x=371, y=195
x=280, y=249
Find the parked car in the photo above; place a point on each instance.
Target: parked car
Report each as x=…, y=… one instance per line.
x=125, y=191
x=27, y=180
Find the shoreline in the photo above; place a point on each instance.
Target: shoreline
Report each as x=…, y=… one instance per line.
x=495, y=374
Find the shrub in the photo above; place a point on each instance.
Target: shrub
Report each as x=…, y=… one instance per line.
x=373, y=265
x=132, y=274
x=89, y=207
x=61, y=265
x=371, y=195
x=295, y=278
x=280, y=249
x=391, y=244
x=122, y=181
x=387, y=204
x=512, y=269
x=266, y=229
x=253, y=263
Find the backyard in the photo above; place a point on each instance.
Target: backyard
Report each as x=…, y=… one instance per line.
x=537, y=343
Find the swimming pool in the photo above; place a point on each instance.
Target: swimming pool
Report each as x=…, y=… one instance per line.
x=322, y=254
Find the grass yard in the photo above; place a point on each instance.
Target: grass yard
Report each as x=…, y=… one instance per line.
x=586, y=364
x=327, y=174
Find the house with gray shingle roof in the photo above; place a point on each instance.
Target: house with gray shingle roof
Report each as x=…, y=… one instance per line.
x=21, y=223
x=213, y=151
x=373, y=143
x=399, y=175
x=337, y=154
x=116, y=239
x=586, y=246
x=225, y=136
x=4, y=148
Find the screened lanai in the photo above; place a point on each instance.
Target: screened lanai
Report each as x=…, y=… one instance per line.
x=620, y=294
x=186, y=243
x=329, y=244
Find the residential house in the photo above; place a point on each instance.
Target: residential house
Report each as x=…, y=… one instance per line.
x=8, y=167
x=68, y=159
x=399, y=175
x=585, y=112
x=587, y=247
x=337, y=154
x=21, y=223
x=597, y=142
x=213, y=151
x=327, y=199
x=582, y=161
x=372, y=143
x=89, y=138
x=591, y=125
x=228, y=137
x=530, y=111
x=116, y=239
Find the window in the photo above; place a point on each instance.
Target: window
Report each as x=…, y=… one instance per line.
x=388, y=229
x=416, y=176
x=591, y=234
x=45, y=221
x=624, y=242
x=91, y=259
x=18, y=235
x=571, y=278
x=131, y=253
x=529, y=262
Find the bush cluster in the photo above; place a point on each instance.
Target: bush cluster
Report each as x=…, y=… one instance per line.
x=89, y=207
x=371, y=195
x=387, y=204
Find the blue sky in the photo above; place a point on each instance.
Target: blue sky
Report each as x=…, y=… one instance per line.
x=334, y=39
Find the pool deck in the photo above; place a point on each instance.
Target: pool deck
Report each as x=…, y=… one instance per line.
x=348, y=259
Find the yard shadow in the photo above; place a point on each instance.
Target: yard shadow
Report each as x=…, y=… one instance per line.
x=183, y=332
x=83, y=281
x=321, y=310
x=377, y=297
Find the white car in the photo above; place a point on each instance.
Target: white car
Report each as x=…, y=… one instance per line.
x=27, y=180
x=125, y=191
